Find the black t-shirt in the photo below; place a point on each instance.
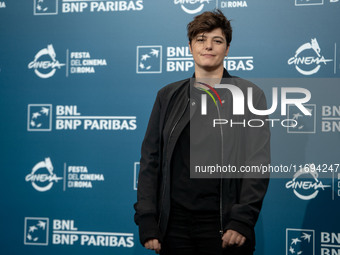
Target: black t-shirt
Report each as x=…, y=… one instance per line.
x=196, y=194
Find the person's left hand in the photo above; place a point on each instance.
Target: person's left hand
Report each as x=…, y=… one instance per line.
x=232, y=237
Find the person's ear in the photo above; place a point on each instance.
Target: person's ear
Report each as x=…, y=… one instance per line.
x=190, y=47
x=227, y=51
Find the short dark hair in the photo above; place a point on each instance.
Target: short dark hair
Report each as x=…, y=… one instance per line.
x=208, y=21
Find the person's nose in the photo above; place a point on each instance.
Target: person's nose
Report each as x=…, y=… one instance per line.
x=208, y=44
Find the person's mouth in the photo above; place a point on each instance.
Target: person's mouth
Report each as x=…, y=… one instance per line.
x=208, y=55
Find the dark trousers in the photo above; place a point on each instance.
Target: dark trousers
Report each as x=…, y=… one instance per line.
x=197, y=234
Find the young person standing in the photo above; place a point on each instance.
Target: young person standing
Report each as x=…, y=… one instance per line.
x=177, y=214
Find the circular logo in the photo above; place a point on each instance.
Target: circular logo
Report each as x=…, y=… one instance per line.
x=45, y=59
x=42, y=173
x=308, y=65
x=305, y=183
x=192, y=6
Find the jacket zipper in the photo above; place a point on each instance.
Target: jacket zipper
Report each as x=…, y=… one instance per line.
x=167, y=161
x=221, y=180
x=221, y=209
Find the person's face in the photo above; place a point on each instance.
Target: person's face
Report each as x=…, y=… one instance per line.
x=209, y=49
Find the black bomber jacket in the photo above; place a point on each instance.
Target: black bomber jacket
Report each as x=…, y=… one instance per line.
x=240, y=199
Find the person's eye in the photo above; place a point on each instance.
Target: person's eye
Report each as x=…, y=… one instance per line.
x=218, y=41
x=200, y=39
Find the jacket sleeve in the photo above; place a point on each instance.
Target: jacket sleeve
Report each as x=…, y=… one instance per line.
x=244, y=214
x=146, y=205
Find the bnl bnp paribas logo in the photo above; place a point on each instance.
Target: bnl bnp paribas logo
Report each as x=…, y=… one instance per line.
x=36, y=231
x=179, y=59
x=305, y=124
x=68, y=117
x=307, y=241
x=39, y=117
x=65, y=232
x=45, y=7
x=308, y=58
x=50, y=7
x=149, y=59
x=300, y=241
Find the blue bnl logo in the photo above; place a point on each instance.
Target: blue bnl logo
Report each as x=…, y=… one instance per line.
x=45, y=7
x=304, y=123
x=308, y=2
x=300, y=241
x=39, y=117
x=36, y=231
x=149, y=59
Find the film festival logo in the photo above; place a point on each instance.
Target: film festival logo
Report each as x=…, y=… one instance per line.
x=308, y=59
x=2, y=4
x=45, y=63
x=195, y=6
x=305, y=183
x=306, y=124
x=39, y=117
x=233, y=4
x=42, y=176
x=300, y=241
x=45, y=7
x=149, y=59
x=36, y=231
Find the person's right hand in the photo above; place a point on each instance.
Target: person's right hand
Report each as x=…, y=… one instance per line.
x=153, y=244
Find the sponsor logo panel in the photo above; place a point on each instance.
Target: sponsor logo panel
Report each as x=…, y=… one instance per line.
x=330, y=118
x=45, y=63
x=45, y=7
x=179, y=59
x=305, y=123
x=311, y=241
x=65, y=232
x=67, y=117
x=43, y=177
x=39, y=117
x=36, y=231
x=54, y=7
x=233, y=4
x=149, y=59
x=300, y=241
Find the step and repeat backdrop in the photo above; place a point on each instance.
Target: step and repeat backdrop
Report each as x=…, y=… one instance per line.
x=78, y=79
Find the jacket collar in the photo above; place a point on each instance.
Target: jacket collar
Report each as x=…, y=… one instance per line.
x=225, y=74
